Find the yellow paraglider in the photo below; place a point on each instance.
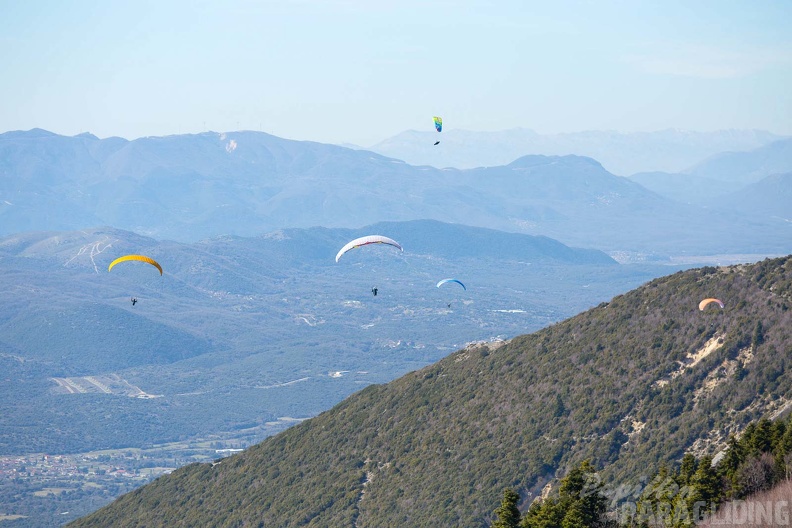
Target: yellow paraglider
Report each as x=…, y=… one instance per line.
x=703, y=304
x=141, y=258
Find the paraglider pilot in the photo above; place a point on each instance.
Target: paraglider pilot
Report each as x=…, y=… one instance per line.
x=133, y=301
x=374, y=291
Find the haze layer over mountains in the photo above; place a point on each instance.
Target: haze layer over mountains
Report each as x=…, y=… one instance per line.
x=620, y=153
x=192, y=187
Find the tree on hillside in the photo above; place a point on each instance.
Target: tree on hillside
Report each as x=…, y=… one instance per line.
x=761, y=441
x=559, y=408
x=705, y=485
x=758, y=335
x=756, y=474
x=582, y=486
x=687, y=469
x=580, y=502
x=575, y=517
x=507, y=513
x=785, y=442
x=732, y=459
x=544, y=514
x=663, y=501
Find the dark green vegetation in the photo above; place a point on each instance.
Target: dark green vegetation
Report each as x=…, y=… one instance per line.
x=676, y=496
x=630, y=384
x=579, y=503
x=190, y=187
x=759, y=460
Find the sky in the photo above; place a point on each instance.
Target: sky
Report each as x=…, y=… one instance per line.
x=360, y=71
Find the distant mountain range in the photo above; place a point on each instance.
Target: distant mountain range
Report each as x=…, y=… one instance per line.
x=772, y=195
x=192, y=187
x=725, y=173
x=620, y=153
x=747, y=167
x=685, y=188
x=628, y=385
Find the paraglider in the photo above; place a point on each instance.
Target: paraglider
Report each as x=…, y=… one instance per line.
x=703, y=304
x=446, y=281
x=366, y=240
x=141, y=258
x=438, y=123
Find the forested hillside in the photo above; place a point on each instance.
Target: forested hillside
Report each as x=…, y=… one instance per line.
x=748, y=483
x=629, y=385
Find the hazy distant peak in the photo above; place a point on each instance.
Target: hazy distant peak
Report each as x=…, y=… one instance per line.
x=33, y=133
x=280, y=234
x=621, y=153
x=747, y=167
x=534, y=160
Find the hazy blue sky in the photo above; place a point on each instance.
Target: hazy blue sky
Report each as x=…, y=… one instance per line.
x=360, y=71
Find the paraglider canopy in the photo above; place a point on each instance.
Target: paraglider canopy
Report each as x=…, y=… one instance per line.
x=141, y=258
x=703, y=304
x=366, y=240
x=446, y=281
x=438, y=123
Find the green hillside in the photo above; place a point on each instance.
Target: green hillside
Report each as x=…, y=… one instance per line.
x=628, y=384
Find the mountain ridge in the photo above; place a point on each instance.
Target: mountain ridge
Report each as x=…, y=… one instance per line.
x=747, y=167
x=669, y=150
x=191, y=187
